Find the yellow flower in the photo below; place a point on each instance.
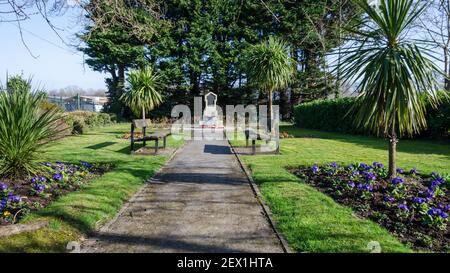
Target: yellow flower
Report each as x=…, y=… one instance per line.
x=6, y=213
x=82, y=173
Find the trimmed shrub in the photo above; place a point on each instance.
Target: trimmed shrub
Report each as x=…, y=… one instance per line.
x=438, y=120
x=79, y=121
x=334, y=115
x=327, y=115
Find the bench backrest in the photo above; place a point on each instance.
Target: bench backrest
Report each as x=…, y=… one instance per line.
x=141, y=123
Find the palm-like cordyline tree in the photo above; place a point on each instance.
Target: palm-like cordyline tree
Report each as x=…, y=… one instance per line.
x=269, y=67
x=143, y=95
x=393, y=71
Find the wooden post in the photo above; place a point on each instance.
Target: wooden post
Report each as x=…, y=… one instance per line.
x=253, y=146
x=143, y=134
x=247, y=135
x=132, y=137
x=156, y=146
x=164, y=142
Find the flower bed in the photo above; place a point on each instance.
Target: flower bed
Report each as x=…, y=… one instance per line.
x=413, y=206
x=20, y=196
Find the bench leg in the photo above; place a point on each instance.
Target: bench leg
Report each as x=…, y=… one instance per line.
x=164, y=142
x=253, y=146
x=132, y=146
x=156, y=146
x=246, y=142
x=143, y=135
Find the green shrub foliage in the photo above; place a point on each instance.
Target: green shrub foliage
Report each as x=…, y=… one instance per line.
x=79, y=121
x=334, y=115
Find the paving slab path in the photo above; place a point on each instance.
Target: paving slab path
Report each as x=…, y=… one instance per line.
x=200, y=202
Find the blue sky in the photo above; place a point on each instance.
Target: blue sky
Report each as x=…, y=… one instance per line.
x=57, y=64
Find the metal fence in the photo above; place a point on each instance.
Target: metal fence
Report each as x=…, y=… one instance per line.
x=75, y=103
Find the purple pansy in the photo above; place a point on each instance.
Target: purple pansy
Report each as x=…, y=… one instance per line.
x=58, y=176
x=364, y=166
x=370, y=176
x=3, y=186
x=378, y=165
x=400, y=171
x=397, y=180
x=389, y=199
x=14, y=198
x=315, y=169
x=403, y=207
x=365, y=187
x=435, y=175
x=418, y=200
x=430, y=193
x=434, y=211
x=39, y=188
x=436, y=182
x=88, y=165
x=437, y=212
x=2, y=204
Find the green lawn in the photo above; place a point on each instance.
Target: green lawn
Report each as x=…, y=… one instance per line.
x=78, y=213
x=310, y=220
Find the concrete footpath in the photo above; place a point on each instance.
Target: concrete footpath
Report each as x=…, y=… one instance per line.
x=200, y=202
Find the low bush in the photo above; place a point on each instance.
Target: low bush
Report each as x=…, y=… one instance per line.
x=327, y=115
x=438, y=120
x=80, y=120
x=335, y=115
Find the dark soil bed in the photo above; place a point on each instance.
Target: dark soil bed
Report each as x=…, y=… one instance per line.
x=18, y=197
x=412, y=206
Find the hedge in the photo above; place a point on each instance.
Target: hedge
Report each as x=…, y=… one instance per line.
x=333, y=115
x=78, y=121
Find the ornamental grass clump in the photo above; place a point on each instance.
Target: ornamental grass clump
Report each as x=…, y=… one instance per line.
x=24, y=128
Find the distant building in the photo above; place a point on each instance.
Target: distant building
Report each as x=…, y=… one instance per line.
x=79, y=103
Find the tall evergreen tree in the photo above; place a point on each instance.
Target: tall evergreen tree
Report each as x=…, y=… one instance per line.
x=113, y=52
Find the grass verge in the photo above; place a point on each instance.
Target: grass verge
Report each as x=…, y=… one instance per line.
x=311, y=221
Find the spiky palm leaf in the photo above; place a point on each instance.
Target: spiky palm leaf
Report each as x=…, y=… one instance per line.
x=143, y=95
x=24, y=128
x=269, y=68
x=268, y=65
x=393, y=72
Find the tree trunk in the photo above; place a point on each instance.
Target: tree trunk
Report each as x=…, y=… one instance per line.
x=393, y=155
x=143, y=113
x=270, y=110
x=446, y=70
x=120, y=87
x=284, y=104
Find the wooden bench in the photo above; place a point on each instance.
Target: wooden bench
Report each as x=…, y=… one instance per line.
x=156, y=136
x=254, y=135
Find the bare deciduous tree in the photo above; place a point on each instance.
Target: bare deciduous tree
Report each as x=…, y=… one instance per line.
x=133, y=15
x=436, y=25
